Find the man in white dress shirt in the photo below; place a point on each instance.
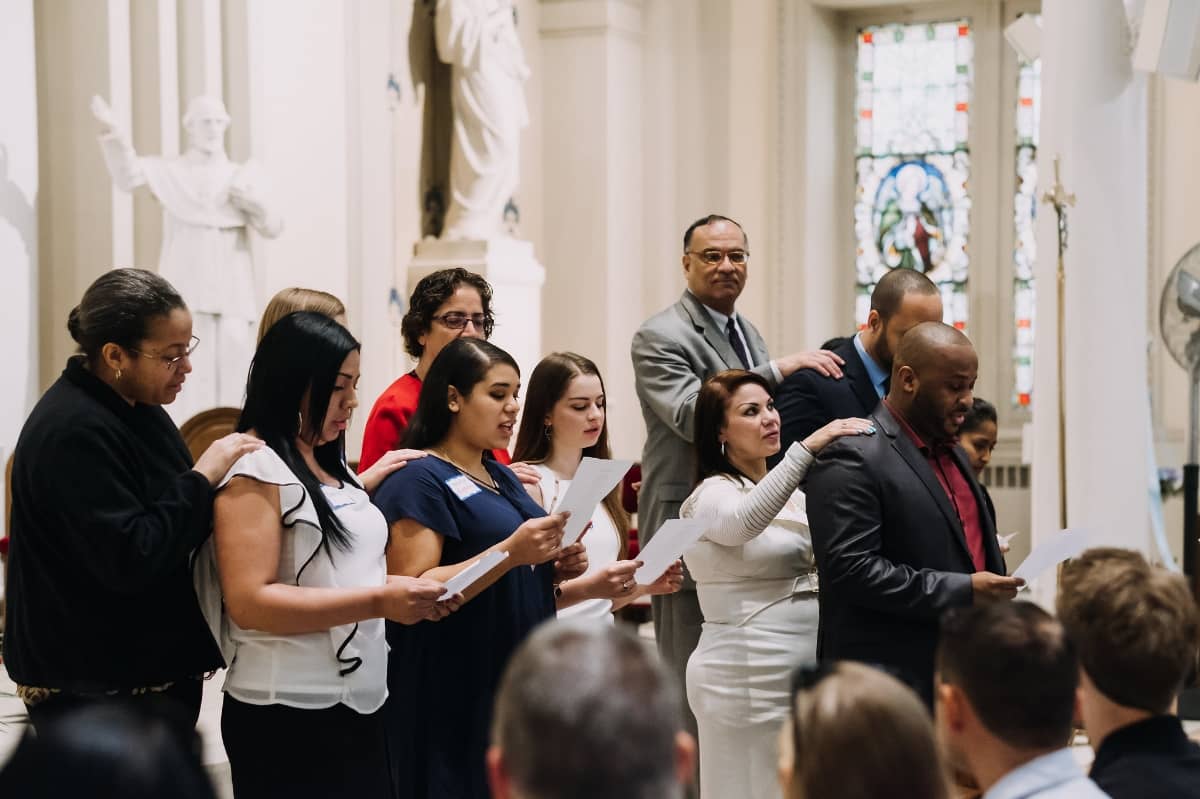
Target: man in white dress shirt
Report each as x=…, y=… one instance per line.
x=1006, y=681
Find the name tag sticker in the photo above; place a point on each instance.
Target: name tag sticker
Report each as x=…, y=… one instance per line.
x=463, y=487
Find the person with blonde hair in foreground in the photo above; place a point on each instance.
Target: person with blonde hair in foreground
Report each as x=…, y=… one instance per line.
x=588, y=712
x=858, y=733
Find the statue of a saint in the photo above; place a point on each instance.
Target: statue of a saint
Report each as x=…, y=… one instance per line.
x=208, y=202
x=478, y=39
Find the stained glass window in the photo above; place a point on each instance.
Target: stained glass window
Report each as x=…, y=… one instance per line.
x=912, y=207
x=1028, y=115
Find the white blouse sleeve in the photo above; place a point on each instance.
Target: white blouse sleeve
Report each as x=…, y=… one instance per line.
x=739, y=516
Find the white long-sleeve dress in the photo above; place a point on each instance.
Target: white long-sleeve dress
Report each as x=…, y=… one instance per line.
x=757, y=584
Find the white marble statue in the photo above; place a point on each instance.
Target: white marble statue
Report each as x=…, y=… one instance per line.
x=478, y=39
x=208, y=202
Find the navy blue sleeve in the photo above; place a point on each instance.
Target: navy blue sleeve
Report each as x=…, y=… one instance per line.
x=418, y=492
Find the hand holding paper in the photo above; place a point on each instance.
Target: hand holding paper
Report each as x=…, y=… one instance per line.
x=675, y=537
x=594, y=480
x=1054, y=551
x=474, y=570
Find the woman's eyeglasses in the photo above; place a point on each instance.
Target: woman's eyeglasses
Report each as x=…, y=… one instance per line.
x=456, y=320
x=171, y=361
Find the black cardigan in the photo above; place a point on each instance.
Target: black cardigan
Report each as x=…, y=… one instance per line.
x=106, y=511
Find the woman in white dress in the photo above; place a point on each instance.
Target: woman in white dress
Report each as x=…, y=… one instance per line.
x=299, y=552
x=565, y=421
x=755, y=577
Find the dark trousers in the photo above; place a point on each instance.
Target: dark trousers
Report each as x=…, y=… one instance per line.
x=178, y=706
x=280, y=751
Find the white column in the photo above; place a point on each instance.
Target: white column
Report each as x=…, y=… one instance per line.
x=85, y=224
x=593, y=193
x=18, y=222
x=1095, y=119
x=200, y=63
x=156, y=112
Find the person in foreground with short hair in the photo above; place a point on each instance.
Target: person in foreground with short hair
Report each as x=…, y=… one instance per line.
x=1007, y=674
x=1136, y=628
x=809, y=399
x=107, y=752
x=588, y=712
x=899, y=525
x=858, y=733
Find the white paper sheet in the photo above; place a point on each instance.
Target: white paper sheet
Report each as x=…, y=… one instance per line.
x=1053, y=551
x=474, y=570
x=675, y=537
x=594, y=480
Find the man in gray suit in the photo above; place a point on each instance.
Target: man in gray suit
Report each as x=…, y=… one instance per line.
x=674, y=351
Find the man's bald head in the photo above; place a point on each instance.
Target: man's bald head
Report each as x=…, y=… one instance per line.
x=932, y=379
x=927, y=343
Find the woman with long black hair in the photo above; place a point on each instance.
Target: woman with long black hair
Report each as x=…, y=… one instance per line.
x=300, y=554
x=445, y=511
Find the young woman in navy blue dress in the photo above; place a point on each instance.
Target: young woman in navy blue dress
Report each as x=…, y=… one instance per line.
x=444, y=512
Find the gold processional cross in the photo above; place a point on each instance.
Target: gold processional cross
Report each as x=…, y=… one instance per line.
x=1061, y=200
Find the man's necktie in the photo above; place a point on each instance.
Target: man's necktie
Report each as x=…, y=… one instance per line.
x=735, y=341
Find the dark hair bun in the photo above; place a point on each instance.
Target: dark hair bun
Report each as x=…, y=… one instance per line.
x=74, y=326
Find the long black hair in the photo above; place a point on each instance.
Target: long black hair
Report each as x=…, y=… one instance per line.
x=462, y=363
x=301, y=352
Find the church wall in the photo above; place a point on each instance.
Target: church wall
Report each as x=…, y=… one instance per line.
x=18, y=221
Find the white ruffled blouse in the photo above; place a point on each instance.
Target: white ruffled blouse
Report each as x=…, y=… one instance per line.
x=346, y=664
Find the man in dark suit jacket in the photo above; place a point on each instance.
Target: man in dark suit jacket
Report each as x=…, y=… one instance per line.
x=809, y=400
x=1135, y=627
x=898, y=522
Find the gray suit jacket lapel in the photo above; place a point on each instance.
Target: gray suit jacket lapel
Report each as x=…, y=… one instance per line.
x=705, y=325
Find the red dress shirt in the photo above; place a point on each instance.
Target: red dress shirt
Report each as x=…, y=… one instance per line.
x=955, y=484
x=389, y=419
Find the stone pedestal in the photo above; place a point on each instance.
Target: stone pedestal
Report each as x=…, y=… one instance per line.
x=510, y=266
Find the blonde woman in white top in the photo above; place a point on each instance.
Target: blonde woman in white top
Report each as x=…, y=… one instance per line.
x=565, y=420
x=755, y=577
x=299, y=550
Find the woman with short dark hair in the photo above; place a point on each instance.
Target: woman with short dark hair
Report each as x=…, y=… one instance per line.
x=755, y=577
x=107, y=508
x=444, y=306
x=445, y=511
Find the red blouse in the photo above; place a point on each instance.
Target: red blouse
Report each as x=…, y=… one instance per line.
x=389, y=419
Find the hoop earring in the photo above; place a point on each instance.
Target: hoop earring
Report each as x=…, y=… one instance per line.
x=118, y=374
x=546, y=432
x=722, y=449
x=299, y=422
